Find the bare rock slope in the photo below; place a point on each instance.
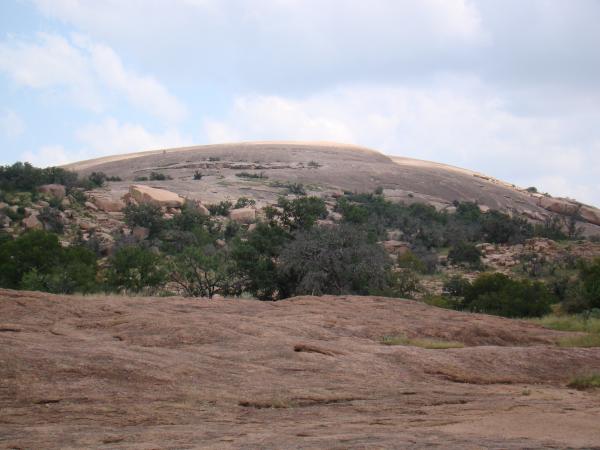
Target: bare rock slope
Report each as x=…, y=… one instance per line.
x=116, y=372
x=324, y=168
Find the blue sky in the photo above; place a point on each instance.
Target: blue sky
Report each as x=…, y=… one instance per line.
x=510, y=88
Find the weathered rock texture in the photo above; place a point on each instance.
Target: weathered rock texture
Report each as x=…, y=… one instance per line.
x=311, y=373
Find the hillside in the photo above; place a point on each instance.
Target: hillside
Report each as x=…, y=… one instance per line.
x=325, y=168
x=134, y=372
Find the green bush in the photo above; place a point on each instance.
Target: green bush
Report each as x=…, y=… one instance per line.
x=244, y=202
x=145, y=215
x=465, y=253
x=25, y=177
x=220, y=209
x=584, y=293
x=297, y=214
x=135, y=269
x=336, y=261
x=157, y=176
x=37, y=261
x=496, y=293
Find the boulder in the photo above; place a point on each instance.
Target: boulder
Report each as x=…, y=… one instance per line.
x=140, y=233
x=558, y=205
x=32, y=223
x=66, y=203
x=396, y=247
x=590, y=214
x=54, y=190
x=243, y=215
x=335, y=216
x=326, y=223
x=3, y=205
x=160, y=197
x=90, y=205
x=108, y=204
x=202, y=209
x=106, y=242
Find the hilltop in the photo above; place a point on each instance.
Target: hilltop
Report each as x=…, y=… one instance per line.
x=325, y=169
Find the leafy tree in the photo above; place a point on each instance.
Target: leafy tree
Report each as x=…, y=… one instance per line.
x=334, y=261
x=145, y=215
x=297, y=214
x=202, y=271
x=465, y=253
x=134, y=269
x=255, y=260
x=496, y=293
x=220, y=209
x=37, y=261
x=584, y=293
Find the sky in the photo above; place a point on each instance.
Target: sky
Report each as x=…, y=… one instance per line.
x=510, y=88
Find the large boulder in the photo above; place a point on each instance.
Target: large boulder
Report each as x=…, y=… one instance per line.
x=558, y=205
x=33, y=223
x=396, y=247
x=590, y=214
x=160, y=197
x=243, y=215
x=53, y=190
x=108, y=204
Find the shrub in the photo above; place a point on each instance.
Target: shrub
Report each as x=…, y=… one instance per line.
x=334, y=261
x=299, y=213
x=135, y=269
x=189, y=219
x=157, y=176
x=220, y=209
x=37, y=261
x=496, y=293
x=296, y=189
x=583, y=382
x=532, y=189
x=400, y=284
x=97, y=179
x=421, y=342
x=260, y=175
x=243, y=202
x=113, y=178
x=202, y=271
x=313, y=164
x=465, y=253
x=140, y=178
x=52, y=220
x=198, y=175
x=145, y=215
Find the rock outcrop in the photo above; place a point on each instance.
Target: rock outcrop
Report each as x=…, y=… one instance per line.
x=161, y=197
x=243, y=215
x=54, y=190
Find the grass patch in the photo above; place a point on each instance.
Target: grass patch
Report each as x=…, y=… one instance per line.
x=585, y=382
x=570, y=322
x=420, y=342
x=588, y=340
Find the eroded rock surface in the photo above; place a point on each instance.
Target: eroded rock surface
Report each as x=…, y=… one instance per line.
x=117, y=372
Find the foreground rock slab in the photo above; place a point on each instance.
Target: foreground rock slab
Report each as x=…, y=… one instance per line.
x=118, y=372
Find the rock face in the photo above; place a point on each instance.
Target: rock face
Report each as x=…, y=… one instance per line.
x=306, y=372
x=590, y=214
x=107, y=204
x=243, y=215
x=558, y=205
x=54, y=190
x=33, y=223
x=160, y=197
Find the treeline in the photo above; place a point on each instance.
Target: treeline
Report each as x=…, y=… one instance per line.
x=23, y=177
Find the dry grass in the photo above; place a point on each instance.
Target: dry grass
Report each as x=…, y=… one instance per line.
x=585, y=382
x=569, y=323
x=420, y=342
x=587, y=341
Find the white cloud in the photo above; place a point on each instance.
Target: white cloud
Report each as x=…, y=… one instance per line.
x=11, y=124
x=89, y=73
x=49, y=155
x=106, y=138
x=458, y=122
x=111, y=137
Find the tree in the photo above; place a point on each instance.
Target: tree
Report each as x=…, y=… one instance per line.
x=37, y=261
x=496, y=293
x=134, y=269
x=465, y=253
x=146, y=215
x=297, y=214
x=341, y=260
x=584, y=293
x=202, y=271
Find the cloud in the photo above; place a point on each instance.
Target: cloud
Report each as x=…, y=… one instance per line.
x=11, y=124
x=111, y=137
x=89, y=73
x=460, y=122
x=108, y=137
